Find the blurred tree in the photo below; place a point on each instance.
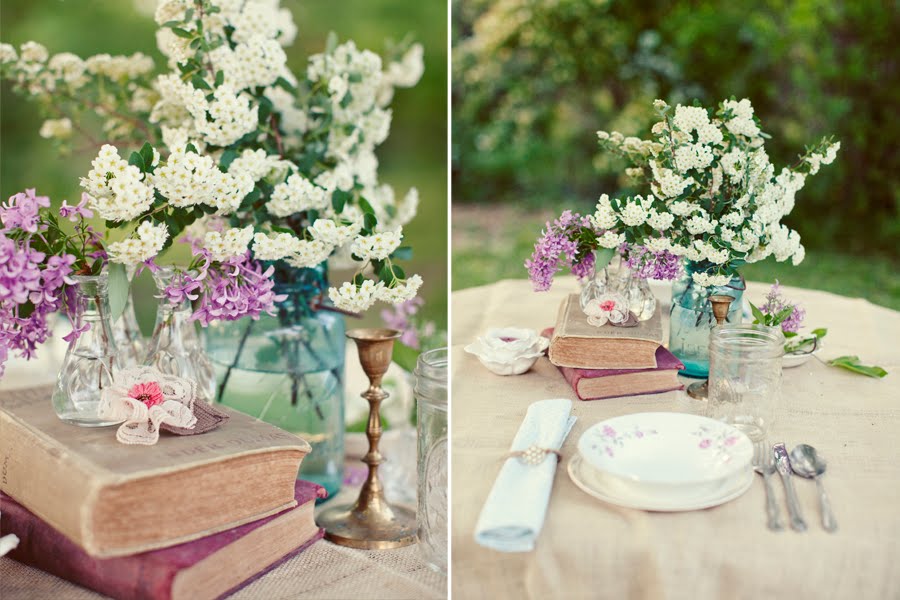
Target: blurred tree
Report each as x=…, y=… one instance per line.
x=533, y=81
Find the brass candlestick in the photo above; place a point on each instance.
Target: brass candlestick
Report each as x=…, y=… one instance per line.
x=371, y=523
x=699, y=390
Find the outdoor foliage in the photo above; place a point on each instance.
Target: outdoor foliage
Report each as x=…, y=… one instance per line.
x=533, y=81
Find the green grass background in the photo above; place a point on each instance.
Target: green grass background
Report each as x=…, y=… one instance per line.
x=414, y=154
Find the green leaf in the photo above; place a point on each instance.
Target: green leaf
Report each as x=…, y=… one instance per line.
x=182, y=33
x=97, y=266
x=118, y=290
x=366, y=207
x=788, y=334
x=147, y=154
x=200, y=83
x=820, y=333
x=403, y=253
x=137, y=160
x=220, y=78
x=227, y=158
x=851, y=363
x=758, y=316
x=285, y=85
x=369, y=221
x=604, y=256
x=338, y=199
x=405, y=357
x=191, y=148
x=782, y=315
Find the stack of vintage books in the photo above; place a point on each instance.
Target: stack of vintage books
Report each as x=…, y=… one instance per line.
x=192, y=517
x=609, y=361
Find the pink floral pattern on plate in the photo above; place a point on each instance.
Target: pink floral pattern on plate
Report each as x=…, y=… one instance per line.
x=610, y=439
x=722, y=440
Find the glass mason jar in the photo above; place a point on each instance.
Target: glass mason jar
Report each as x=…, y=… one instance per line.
x=616, y=277
x=288, y=370
x=129, y=340
x=431, y=399
x=175, y=346
x=691, y=319
x=745, y=377
x=90, y=362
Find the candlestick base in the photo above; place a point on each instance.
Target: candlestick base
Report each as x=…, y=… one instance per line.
x=390, y=527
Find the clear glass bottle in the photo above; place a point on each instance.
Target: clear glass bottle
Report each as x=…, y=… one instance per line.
x=288, y=370
x=431, y=399
x=691, y=319
x=175, y=346
x=745, y=376
x=616, y=277
x=90, y=364
x=129, y=340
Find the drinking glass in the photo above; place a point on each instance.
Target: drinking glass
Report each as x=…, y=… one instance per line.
x=745, y=377
x=431, y=397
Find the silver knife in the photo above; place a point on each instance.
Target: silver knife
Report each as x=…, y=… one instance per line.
x=783, y=463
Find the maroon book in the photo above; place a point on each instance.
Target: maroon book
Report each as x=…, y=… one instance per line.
x=207, y=568
x=595, y=384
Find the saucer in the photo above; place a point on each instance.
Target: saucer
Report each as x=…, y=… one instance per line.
x=601, y=487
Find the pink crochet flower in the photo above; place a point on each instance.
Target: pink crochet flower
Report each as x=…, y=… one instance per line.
x=147, y=392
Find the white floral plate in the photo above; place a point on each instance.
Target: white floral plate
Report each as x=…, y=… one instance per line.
x=597, y=485
x=662, y=451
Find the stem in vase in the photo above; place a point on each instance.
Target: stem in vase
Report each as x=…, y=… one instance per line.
x=233, y=365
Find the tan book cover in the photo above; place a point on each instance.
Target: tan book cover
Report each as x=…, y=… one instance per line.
x=578, y=344
x=114, y=499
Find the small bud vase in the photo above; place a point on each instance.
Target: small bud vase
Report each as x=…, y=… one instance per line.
x=90, y=362
x=175, y=347
x=617, y=278
x=129, y=341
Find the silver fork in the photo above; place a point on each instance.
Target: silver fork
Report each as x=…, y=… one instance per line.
x=764, y=464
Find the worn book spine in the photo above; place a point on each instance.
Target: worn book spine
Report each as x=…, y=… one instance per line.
x=146, y=576
x=576, y=376
x=36, y=472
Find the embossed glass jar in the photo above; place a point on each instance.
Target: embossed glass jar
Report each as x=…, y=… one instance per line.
x=745, y=376
x=431, y=400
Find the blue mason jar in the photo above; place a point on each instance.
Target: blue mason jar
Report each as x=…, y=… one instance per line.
x=288, y=370
x=691, y=318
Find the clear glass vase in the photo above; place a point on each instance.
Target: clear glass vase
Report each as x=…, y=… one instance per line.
x=90, y=362
x=288, y=370
x=616, y=277
x=175, y=346
x=691, y=319
x=129, y=341
x=431, y=399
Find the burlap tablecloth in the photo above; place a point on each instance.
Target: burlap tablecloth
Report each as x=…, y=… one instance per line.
x=589, y=549
x=324, y=571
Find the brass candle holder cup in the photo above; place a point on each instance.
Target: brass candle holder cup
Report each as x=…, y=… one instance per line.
x=699, y=390
x=371, y=523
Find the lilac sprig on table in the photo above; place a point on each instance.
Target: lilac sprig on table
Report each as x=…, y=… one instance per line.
x=788, y=316
x=566, y=243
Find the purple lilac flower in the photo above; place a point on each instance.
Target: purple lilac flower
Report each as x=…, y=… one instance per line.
x=653, y=265
x=557, y=249
x=775, y=303
x=235, y=289
x=77, y=212
x=21, y=211
x=399, y=317
x=25, y=278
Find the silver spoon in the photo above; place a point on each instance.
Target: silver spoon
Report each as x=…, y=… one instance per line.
x=807, y=463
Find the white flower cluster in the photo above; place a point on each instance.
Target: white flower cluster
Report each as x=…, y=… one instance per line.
x=258, y=62
x=188, y=179
x=360, y=298
x=227, y=118
x=56, y=128
x=730, y=207
x=225, y=245
x=295, y=195
x=377, y=246
x=254, y=164
x=402, y=74
x=118, y=67
x=118, y=190
x=148, y=242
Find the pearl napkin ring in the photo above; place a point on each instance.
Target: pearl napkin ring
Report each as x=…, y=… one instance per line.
x=534, y=455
